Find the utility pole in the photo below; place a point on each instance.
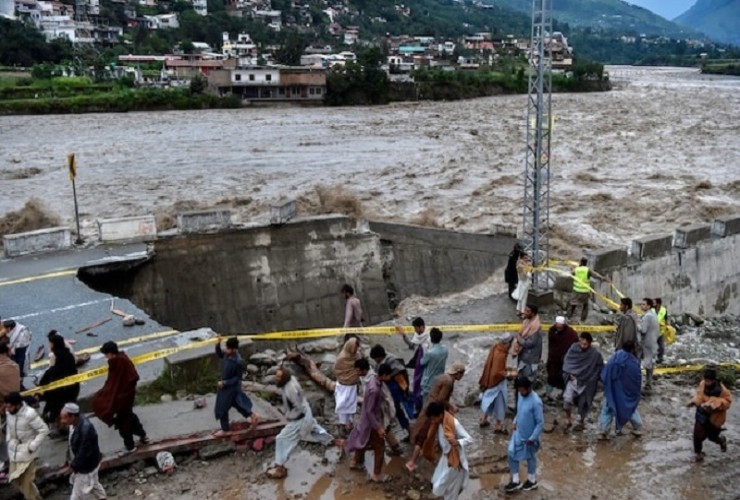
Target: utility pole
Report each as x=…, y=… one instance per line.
x=72, y=165
x=536, y=212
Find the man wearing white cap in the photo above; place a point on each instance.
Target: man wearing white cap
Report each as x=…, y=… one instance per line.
x=83, y=455
x=560, y=337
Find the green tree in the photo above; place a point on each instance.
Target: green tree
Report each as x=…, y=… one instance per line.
x=291, y=49
x=198, y=84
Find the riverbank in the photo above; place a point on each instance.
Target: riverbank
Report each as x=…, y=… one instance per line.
x=79, y=95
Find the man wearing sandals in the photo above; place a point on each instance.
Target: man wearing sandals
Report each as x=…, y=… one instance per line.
x=301, y=425
x=370, y=430
x=525, y=440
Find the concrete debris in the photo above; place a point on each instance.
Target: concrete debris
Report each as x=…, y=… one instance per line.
x=317, y=346
x=215, y=450
x=129, y=320
x=263, y=359
x=413, y=495
x=328, y=359
x=252, y=369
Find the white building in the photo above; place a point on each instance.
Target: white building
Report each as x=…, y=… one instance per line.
x=7, y=9
x=273, y=18
x=255, y=76
x=243, y=49
x=200, y=7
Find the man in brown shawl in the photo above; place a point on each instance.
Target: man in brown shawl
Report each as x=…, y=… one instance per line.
x=493, y=385
x=345, y=392
x=559, y=339
x=441, y=393
x=114, y=403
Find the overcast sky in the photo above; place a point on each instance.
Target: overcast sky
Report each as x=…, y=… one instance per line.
x=666, y=8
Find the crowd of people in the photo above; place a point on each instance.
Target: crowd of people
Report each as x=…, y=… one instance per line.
x=26, y=426
x=420, y=402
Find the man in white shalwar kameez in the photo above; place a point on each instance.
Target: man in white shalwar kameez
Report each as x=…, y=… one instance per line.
x=452, y=473
x=83, y=455
x=301, y=425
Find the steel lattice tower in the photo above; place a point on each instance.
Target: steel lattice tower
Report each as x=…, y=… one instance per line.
x=536, y=213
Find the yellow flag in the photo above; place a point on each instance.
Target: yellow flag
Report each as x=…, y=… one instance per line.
x=72, y=164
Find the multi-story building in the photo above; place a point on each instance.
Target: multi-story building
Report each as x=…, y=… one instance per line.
x=270, y=84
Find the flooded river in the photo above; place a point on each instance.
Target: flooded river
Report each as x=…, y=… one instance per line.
x=660, y=150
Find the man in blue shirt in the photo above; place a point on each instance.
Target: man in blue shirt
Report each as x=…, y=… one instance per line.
x=525, y=439
x=433, y=362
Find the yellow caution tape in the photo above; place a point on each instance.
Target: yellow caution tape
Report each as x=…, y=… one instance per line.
x=133, y=340
x=667, y=370
x=99, y=372
x=29, y=279
x=304, y=334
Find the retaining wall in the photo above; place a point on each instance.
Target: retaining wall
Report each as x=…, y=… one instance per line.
x=426, y=261
x=699, y=273
x=42, y=240
x=246, y=280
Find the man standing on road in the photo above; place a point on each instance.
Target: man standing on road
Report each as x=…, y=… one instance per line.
x=581, y=370
x=353, y=309
x=622, y=381
x=649, y=332
x=19, y=338
x=114, y=403
x=83, y=455
x=559, y=339
x=370, y=430
x=230, y=393
x=581, y=289
x=511, y=276
x=529, y=341
x=420, y=343
x=345, y=392
x=433, y=363
x=10, y=381
x=627, y=325
x=525, y=441
x=301, y=424
x=712, y=401
x=25, y=431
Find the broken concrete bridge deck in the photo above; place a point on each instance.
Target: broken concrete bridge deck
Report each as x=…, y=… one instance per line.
x=177, y=427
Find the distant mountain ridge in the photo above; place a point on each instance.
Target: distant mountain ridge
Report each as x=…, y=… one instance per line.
x=718, y=19
x=604, y=15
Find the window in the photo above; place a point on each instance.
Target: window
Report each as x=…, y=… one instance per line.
x=268, y=78
x=238, y=77
x=318, y=90
x=312, y=91
x=251, y=77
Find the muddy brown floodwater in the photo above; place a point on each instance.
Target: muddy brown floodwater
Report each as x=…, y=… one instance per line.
x=660, y=150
